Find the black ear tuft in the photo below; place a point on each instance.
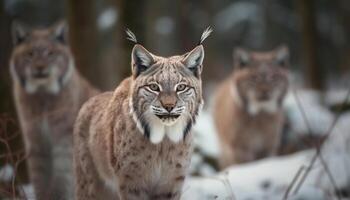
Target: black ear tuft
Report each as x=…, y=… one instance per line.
x=60, y=31
x=205, y=34
x=141, y=60
x=241, y=58
x=20, y=32
x=131, y=36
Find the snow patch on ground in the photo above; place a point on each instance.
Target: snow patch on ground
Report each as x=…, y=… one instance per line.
x=205, y=135
x=269, y=178
x=28, y=192
x=6, y=173
x=319, y=117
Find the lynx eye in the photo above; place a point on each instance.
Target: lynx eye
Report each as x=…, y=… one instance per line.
x=154, y=87
x=181, y=87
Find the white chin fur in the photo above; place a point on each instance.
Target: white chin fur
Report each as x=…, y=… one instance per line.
x=159, y=129
x=157, y=132
x=256, y=107
x=269, y=106
x=32, y=85
x=176, y=131
x=50, y=84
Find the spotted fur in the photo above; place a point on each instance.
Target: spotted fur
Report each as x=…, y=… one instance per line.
x=248, y=105
x=135, y=143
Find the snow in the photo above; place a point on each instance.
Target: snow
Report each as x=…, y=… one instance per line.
x=6, y=173
x=269, y=178
x=319, y=117
x=205, y=135
x=336, y=96
x=28, y=192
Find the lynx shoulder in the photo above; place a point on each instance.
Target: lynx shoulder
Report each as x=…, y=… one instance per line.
x=48, y=92
x=248, y=105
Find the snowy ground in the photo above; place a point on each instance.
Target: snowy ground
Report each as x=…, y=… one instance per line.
x=269, y=178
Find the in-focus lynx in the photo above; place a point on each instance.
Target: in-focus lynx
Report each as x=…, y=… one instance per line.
x=135, y=142
x=247, y=109
x=48, y=94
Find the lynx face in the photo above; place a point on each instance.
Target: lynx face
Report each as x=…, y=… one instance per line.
x=41, y=60
x=167, y=92
x=261, y=79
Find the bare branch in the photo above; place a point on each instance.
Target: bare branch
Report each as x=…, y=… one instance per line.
x=318, y=149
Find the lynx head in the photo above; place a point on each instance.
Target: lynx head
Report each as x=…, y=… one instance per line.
x=260, y=79
x=41, y=59
x=166, y=92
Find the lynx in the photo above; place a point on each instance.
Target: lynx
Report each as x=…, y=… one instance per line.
x=248, y=106
x=48, y=92
x=135, y=142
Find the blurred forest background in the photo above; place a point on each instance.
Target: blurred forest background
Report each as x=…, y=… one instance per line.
x=316, y=31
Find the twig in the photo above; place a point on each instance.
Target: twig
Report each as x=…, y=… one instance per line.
x=12, y=158
x=331, y=178
x=290, y=186
x=329, y=132
x=318, y=147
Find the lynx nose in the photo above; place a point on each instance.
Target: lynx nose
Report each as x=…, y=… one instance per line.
x=168, y=101
x=169, y=108
x=40, y=71
x=264, y=96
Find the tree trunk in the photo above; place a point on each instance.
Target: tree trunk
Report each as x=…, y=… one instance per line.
x=83, y=36
x=314, y=76
x=132, y=16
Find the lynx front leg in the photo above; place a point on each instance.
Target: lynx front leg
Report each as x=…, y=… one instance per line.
x=128, y=190
x=169, y=189
x=227, y=156
x=88, y=185
x=63, y=185
x=137, y=194
x=40, y=169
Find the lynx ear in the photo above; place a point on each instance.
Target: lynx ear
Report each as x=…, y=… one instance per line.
x=141, y=60
x=282, y=56
x=241, y=58
x=60, y=31
x=194, y=60
x=19, y=32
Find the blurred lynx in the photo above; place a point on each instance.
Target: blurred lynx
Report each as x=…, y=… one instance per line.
x=48, y=93
x=247, y=111
x=135, y=142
